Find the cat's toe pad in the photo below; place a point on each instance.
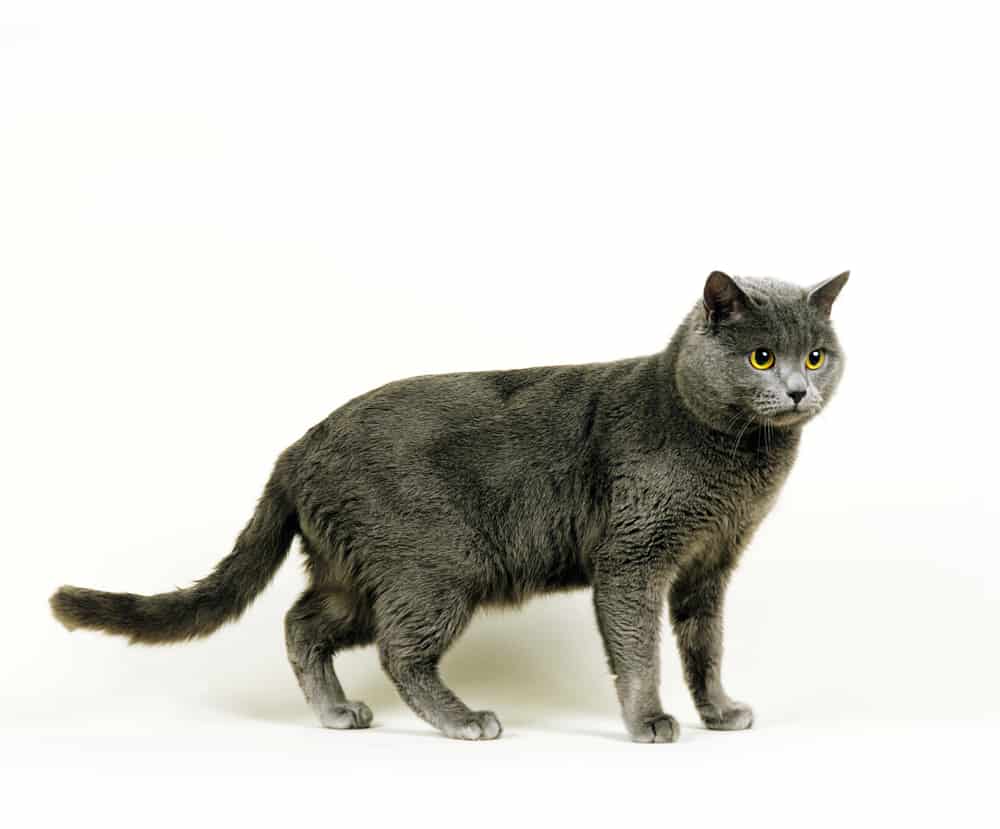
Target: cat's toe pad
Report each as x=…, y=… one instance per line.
x=661, y=729
x=347, y=715
x=733, y=716
x=481, y=725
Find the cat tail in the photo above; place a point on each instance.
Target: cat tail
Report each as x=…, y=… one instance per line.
x=204, y=607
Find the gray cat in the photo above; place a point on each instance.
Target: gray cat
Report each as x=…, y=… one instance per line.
x=421, y=500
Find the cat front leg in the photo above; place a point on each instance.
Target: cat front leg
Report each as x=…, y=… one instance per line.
x=628, y=600
x=696, y=600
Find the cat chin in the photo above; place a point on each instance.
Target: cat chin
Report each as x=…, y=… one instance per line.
x=793, y=418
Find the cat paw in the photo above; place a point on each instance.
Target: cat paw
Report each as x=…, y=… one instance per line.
x=728, y=716
x=347, y=715
x=661, y=729
x=481, y=725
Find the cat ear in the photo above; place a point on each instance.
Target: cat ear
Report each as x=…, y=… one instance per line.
x=723, y=298
x=823, y=295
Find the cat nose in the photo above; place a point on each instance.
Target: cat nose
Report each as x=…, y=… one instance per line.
x=796, y=396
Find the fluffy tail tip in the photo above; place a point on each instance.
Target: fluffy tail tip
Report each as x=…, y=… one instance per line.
x=66, y=605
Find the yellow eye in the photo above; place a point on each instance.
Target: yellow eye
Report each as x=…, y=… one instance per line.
x=815, y=359
x=761, y=359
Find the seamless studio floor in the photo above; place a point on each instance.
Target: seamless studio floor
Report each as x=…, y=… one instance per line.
x=853, y=693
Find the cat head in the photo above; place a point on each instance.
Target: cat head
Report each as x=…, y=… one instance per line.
x=760, y=352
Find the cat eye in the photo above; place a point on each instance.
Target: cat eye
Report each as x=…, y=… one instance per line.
x=815, y=359
x=761, y=359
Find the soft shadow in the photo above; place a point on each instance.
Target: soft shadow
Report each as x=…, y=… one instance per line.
x=546, y=657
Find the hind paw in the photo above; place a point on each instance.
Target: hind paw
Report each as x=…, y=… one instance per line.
x=481, y=725
x=347, y=715
x=659, y=729
x=728, y=716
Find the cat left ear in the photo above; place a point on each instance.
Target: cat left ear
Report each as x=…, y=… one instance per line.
x=723, y=298
x=822, y=296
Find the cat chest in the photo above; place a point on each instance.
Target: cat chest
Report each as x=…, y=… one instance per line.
x=687, y=507
x=728, y=512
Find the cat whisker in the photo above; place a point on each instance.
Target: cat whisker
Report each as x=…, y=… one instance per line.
x=739, y=437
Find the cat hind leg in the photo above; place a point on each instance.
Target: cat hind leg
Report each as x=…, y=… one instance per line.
x=321, y=623
x=417, y=623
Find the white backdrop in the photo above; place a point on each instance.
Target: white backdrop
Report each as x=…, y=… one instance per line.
x=220, y=221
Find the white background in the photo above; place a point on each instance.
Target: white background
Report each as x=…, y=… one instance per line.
x=220, y=221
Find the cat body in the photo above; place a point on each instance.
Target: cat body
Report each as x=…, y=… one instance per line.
x=424, y=499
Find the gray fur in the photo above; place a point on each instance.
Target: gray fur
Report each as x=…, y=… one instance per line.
x=422, y=500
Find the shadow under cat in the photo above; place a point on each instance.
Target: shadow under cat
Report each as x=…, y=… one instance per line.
x=541, y=660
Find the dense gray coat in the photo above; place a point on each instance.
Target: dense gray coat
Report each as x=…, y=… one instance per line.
x=426, y=498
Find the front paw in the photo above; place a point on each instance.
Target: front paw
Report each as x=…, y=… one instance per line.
x=726, y=716
x=659, y=729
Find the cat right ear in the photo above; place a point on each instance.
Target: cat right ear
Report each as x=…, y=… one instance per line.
x=724, y=300
x=823, y=296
